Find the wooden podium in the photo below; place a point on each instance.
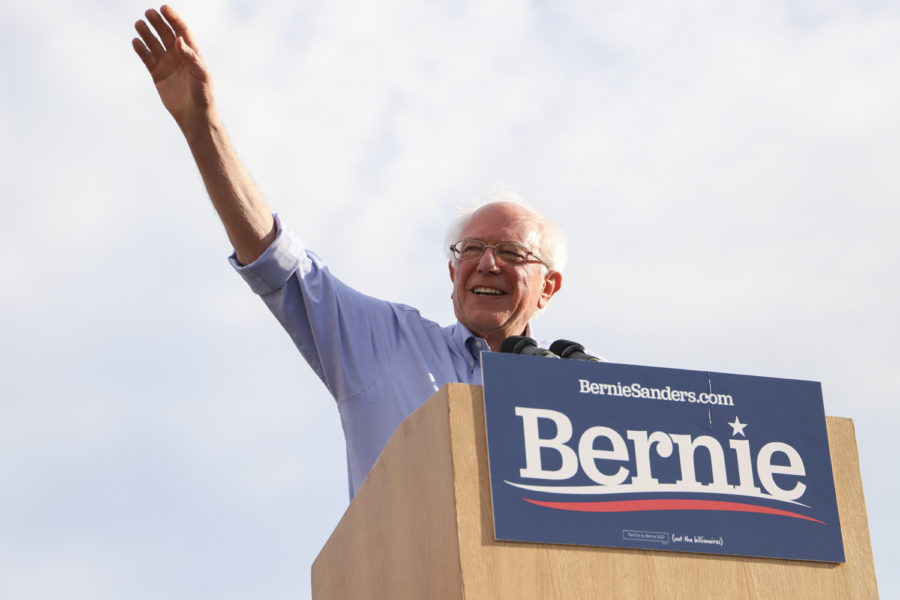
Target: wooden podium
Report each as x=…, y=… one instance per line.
x=420, y=527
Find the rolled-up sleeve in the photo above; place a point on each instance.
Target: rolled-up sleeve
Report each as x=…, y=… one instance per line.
x=285, y=256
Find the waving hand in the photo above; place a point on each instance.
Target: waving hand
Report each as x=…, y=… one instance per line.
x=173, y=60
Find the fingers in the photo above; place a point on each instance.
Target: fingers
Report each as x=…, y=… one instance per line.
x=178, y=25
x=162, y=28
x=152, y=44
x=171, y=38
x=148, y=59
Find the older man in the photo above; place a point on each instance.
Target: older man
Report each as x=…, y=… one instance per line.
x=379, y=360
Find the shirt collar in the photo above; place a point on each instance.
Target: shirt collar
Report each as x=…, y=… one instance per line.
x=473, y=344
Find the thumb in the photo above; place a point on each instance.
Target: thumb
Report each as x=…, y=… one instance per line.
x=186, y=52
x=191, y=57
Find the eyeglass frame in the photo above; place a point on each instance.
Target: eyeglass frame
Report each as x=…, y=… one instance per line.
x=457, y=254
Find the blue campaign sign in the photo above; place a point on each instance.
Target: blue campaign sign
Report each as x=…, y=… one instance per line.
x=605, y=454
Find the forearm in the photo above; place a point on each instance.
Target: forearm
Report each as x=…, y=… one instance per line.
x=247, y=219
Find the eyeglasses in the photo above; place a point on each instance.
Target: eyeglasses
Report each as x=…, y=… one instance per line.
x=508, y=254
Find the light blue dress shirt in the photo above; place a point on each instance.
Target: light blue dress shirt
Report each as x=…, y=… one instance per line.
x=380, y=360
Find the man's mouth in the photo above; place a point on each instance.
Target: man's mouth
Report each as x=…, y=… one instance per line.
x=487, y=291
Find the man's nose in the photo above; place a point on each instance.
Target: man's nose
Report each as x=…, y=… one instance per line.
x=488, y=262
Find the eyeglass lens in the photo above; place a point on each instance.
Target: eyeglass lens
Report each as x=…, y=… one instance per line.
x=505, y=252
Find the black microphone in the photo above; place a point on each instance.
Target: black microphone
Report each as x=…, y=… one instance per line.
x=520, y=344
x=570, y=349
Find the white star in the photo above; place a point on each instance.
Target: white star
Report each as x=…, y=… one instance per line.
x=737, y=427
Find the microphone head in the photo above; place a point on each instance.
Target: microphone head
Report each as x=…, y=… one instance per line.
x=564, y=348
x=573, y=350
x=520, y=344
x=514, y=344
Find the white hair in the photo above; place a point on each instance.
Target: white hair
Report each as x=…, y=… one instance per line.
x=552, y=247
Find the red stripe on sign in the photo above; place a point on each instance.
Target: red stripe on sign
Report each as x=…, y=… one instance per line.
x=667, y=504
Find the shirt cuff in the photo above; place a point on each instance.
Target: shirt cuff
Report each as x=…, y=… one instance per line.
x=285, y=256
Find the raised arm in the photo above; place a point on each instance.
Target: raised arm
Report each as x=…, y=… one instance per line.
x=185, y=87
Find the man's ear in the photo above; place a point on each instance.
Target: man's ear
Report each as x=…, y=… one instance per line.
x=552, y=283
x=452, y=271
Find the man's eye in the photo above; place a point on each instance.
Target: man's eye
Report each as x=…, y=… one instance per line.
x=512, y=254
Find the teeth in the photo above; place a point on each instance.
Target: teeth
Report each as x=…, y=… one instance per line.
x=487, y=290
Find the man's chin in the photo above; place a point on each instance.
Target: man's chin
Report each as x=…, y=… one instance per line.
x=487, y=328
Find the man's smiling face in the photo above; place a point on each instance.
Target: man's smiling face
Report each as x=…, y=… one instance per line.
x=492, y=300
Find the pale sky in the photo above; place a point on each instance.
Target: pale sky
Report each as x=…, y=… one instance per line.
x=726, y=173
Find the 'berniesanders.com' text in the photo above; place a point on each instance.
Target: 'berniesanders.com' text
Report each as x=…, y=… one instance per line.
x=636, y=390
